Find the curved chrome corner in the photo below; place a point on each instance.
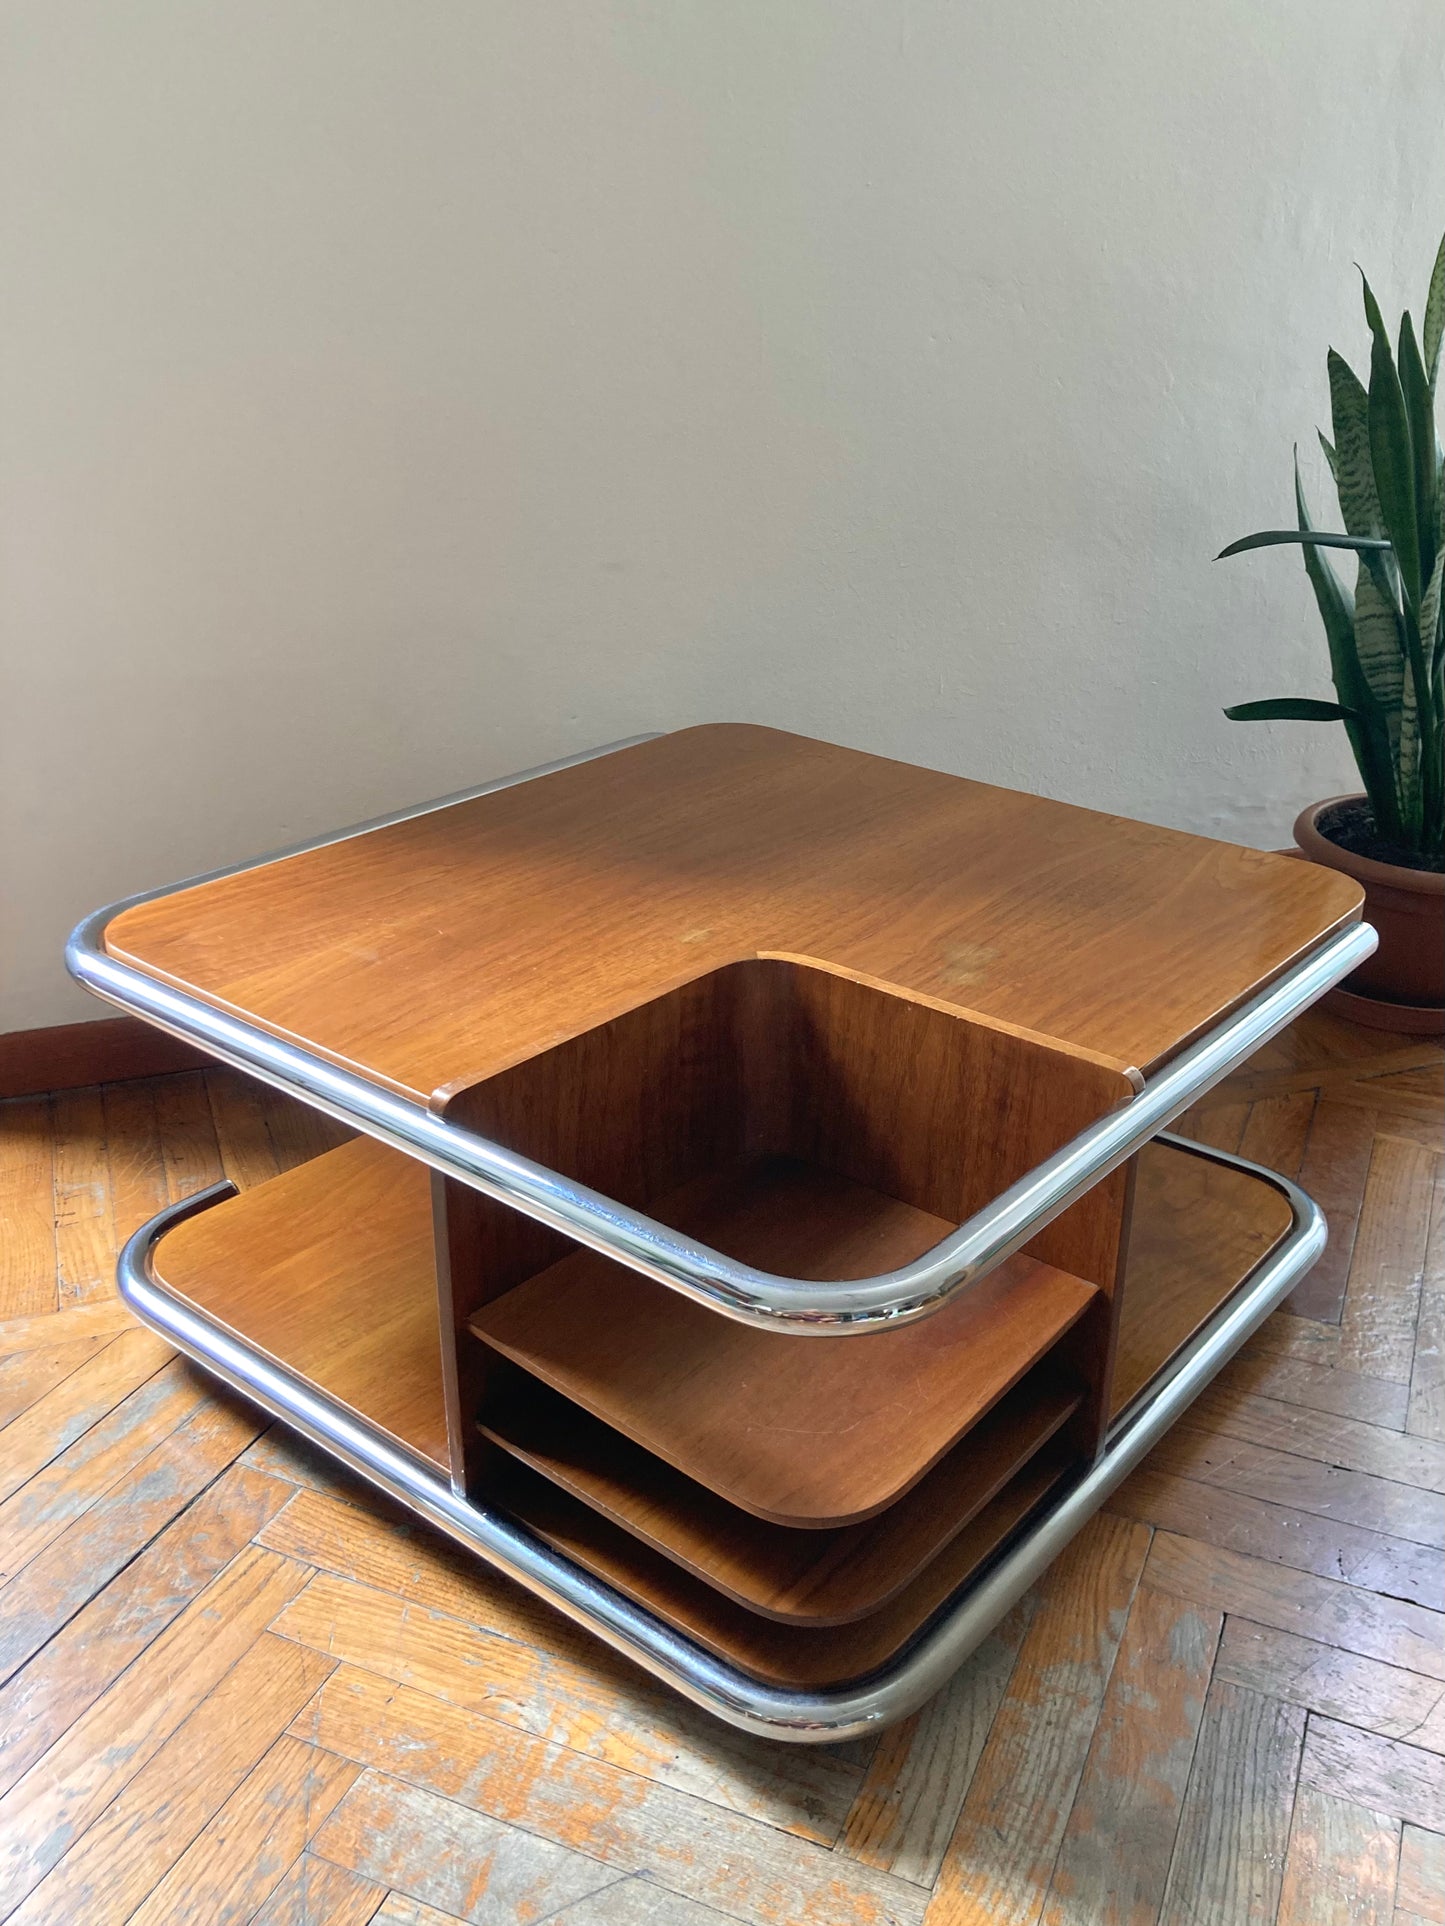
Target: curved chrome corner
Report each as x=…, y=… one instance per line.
x=842, y=1712
x=802, y=1306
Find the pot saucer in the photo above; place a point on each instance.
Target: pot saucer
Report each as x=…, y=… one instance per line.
x=1379, y=1013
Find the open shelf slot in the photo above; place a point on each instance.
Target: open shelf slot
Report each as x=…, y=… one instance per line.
x=1199, y=1229
x=788, y=1655
x=804, y=1432
x=329, y=1270
x=813, y=1577
x=813, y=1125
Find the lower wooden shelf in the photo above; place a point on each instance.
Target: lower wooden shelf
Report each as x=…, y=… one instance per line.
x=788, y=1655
x=812, y=1577
x=1199, y=1229
x=863, y=1512
x=805, y=1432
x=329, y=1270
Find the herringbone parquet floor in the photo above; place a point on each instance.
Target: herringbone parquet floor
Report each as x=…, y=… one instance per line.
x=237, y=1689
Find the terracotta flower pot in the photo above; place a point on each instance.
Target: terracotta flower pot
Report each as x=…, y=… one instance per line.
x=1407, y=907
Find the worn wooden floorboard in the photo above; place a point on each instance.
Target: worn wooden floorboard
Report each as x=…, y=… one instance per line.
x=1382, y=1301
x=28, y=1375
x=1390, y=1629
x=85, y=1239
x=105, y=1456
x=1389, y=1775
x=1307, y=1487
x=133, y=1145
x=314, y=1892
x=1341, y=1865
x=234, y=1687
x=1420, y=1884
x=1425, y=1411
x=1333, y=1388
x=1417, y=1463
x=1383, y=1699
x=106, y=1318
x=577, y=1697
x=1228, y=1861
x=919, y=1775
x=27, y=1208
x=103, y=1539
x=1287, y=1335
x=1334, y=1171
x=133, y=1845
x=690, y=1844
x=1119, y=1842
x=1001, y=1857
x=87, y=1397
x=72, y=1783
x=1237, y=1521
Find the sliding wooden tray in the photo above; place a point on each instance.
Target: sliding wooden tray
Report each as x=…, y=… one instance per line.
x=812, y=1577
x=786, y=1655
x=801, y=1431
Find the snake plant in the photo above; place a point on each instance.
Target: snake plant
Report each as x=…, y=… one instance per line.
x=1387, y=640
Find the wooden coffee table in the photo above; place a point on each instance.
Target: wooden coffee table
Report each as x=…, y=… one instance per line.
x=762, y=1243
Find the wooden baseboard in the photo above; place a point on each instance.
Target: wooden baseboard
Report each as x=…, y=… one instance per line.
x=67, y=1055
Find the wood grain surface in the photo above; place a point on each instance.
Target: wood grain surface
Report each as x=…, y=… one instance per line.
x=820, y=1577
x=782, y=1654
x=329, y=1270
x=436, y=952
x=1013, y=1818
x=1196, y=1232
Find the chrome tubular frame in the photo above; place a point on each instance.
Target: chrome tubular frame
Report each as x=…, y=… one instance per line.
x=733, y=1289
x=840, y=1712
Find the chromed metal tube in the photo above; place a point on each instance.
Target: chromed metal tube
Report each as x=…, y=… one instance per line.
x=800, y=1716
x=801, y=1306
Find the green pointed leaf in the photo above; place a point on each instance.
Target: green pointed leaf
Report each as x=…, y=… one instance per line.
x=1380, y=647
x=1354, y=470
x=1430, y=601
x=1290, y=709
x=1420, y=411
x=1337, y=609
x=1435, y=316
x=1407, y=756
x=1365, y=727
x=1421, y=774
x=1306, y=538
x=1391, y=454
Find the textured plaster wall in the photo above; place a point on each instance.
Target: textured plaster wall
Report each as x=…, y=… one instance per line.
x=395, y=394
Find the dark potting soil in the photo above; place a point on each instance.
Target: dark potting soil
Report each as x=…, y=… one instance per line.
x=1351, y=825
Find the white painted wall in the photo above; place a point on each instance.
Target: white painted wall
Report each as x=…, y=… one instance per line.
x=397, y=392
